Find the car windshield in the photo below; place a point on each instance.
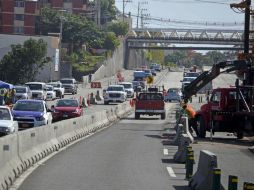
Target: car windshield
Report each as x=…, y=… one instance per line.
x=20, y=90
x=50, y=88
x=115, y=88
x=173, y=90
x=188, y=79
x=35, y=86
x=28, y=106
x=67, y=81
x=4, y=114
x=191, y=74
x=55, y=84
x=127, y=85
x=150, y=96
x=67, y=103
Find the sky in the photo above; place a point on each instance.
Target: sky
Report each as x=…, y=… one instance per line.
x=183, y=13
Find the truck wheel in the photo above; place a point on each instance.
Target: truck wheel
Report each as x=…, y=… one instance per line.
x=163, y=116
x=137, y=115
x=201, y=127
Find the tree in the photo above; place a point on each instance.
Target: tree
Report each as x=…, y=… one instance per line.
x=119, y=28
x=111, y=41
x=23, y=63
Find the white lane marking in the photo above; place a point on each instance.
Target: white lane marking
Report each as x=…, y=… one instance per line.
x=171, y=172
x=165, y=151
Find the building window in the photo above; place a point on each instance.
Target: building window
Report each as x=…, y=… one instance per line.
x=19, y=17
x=19, y=30
x=19, y=3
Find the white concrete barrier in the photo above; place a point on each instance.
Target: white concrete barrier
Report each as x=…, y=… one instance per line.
x=20, y=151
x=185, y=122
x=202, y=179
x=10, y=163
x=180, y=155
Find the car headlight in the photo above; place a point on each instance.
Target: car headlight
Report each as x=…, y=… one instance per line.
x=7, y=130
x=41, y=118
x=76, y=111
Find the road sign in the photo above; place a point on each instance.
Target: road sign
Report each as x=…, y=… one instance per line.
x=95, y=85
x=149, y=80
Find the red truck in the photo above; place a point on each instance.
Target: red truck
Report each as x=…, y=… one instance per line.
x=150, y=102
x=228, y=109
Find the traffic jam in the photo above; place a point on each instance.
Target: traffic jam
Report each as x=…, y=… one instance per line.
x=36, y=104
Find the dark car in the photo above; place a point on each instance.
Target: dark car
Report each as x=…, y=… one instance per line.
x=66, y=108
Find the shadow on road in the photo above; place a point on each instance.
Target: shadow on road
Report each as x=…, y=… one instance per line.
x=154, y=136
x=142, y=130
x=132, y=118
x=224, y=140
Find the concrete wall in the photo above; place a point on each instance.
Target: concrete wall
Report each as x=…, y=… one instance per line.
x=48, y=71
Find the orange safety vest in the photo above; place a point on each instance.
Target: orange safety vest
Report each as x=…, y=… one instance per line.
x=190, y=111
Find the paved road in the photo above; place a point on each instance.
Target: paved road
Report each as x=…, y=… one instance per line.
x=128, y=156
x=131, y=155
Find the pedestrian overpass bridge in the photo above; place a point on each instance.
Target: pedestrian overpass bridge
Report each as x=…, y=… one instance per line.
x=192, y=39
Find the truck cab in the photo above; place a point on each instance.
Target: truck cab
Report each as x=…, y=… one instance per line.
x=150, y=103
x=221, y=112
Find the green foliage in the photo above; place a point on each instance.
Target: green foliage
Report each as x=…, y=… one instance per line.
x=23, y=63
x=119, y=28
x=108, y=10
x=111, y=41
x=189, y=58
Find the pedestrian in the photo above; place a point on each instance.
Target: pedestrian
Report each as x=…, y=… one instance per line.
x=191, y=113
x=2, y=94
x=90, y=78
x=13, y=95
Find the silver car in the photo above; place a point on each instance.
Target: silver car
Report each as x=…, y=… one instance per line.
x=23, y=92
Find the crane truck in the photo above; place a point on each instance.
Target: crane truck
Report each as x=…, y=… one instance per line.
x=228, y=109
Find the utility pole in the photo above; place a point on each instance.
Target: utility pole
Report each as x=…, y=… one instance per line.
x=138, y=13
x=124, y=4
x=98, y=12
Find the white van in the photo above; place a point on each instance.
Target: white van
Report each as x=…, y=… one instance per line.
x=39, y=90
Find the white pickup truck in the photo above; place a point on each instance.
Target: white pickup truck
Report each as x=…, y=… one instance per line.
x=58, y=88
x=7, y=124
x=115, y=93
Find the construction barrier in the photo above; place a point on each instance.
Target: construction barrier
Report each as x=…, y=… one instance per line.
x=180, y=155
x=95, y=84
x=202, y=179
x=92, y=99
x=185, y=122
x=179, y=132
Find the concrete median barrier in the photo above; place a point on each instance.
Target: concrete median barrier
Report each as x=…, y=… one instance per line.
x=179, y=132
x=180, y=155
x=20, y=151
x=202, y=179
x=185, y=122
x=10, y=163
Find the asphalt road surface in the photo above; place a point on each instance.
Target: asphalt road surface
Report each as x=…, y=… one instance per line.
x=131, y=155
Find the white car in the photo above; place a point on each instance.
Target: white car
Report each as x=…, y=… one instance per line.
x=128, y=87
x=58, y=88
x=38, y=89
x=51, y=94
x=186, y=81
x=7, y=124
x=115, y=93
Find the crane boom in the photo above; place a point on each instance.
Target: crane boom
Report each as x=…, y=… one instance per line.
x=208, y=76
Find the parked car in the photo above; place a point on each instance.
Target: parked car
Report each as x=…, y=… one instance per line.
x=70, y=85
x=38, y=89
x=58, y=88
x=128, y=87
x=66, y=108
x=7, y=124
x=23, y=92
x=173, y=94
x=115, y=93
x=31, y=113
x=51, y=94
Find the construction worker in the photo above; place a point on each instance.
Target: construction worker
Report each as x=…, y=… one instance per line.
x=2, y=94
x=191, y=113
